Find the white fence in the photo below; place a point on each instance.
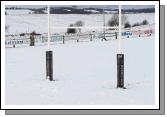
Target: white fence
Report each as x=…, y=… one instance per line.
x=22, y=41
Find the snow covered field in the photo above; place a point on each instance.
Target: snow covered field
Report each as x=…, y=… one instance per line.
x=22, y=23
x=18, y=12
x=84, y=73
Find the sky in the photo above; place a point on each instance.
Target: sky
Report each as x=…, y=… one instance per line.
x=87, y=6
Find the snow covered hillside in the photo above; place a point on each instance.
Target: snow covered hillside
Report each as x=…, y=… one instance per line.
x=18, y=12
x=84, y=73
x=38, y=22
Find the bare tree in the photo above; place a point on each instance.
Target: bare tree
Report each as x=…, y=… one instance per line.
x=127, y=25
x=114, y=21
x=136, y=24
x=79, y=24
x=73, y=28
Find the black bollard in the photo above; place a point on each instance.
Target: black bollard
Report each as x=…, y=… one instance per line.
x=49, y=65
x=120, y=71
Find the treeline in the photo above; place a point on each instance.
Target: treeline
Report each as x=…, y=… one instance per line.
x=73, y=10
x=146, y=10
x=69, y=10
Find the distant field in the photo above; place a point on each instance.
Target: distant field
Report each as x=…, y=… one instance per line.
x=22, y=23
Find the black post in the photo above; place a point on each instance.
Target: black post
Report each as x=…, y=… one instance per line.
x=32, y=40
x=63, y=39
x=91, y=37
x=14, y=44
x=120, y=71
x=115, y=35
x=49, y=65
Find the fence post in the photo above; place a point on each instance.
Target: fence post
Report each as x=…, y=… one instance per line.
x=91, y=37
x=14, y=44
x=116, y=35
x=63, y=39
x=139, y=33
x=32, y=40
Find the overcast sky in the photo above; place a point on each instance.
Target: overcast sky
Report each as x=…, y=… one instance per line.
x=87, y=6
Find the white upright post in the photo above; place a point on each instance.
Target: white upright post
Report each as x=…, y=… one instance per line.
x=48, y=27
x=104, y=25
x=49, y=53
x=120, y=58
x=119, y=42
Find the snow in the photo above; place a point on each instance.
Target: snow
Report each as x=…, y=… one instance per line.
x=93, y=11
x=18, y=12
x=84, y=73
x=59, y=22
x=109, y=11
x=67, y=9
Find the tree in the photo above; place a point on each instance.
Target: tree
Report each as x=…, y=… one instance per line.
x=114, y=21
x=127, y=25
x=79, y=24
x=136, y=24
x=72, y=28
x=145, y=22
